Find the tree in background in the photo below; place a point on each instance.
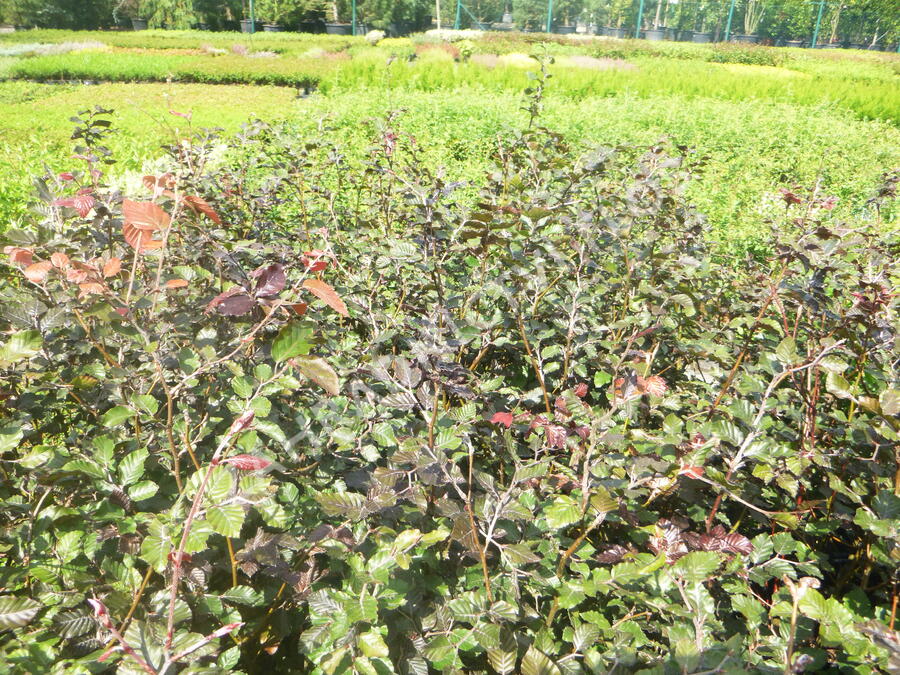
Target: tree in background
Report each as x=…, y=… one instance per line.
x=70, y=14
x=218, y=14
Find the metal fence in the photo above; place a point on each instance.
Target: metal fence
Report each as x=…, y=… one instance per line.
x=793, y=23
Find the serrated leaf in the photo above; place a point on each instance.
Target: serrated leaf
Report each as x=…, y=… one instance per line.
x=17, y=612
x=226, y=519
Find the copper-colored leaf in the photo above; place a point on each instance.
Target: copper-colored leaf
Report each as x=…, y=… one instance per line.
x=19, y=256
x=159, y=184
x=59, y=260
x=247, y=462
x=200, y=205
x=326, y=294
x=38, y=271
x=653, y=385
x=145, y=215
x=79, y=272
x=83, y=204
x=139, y=240
x=176, y=283
x=504, y=418
x=691, y=471
x=300, y=308
x=112, y=267
x=90, y=288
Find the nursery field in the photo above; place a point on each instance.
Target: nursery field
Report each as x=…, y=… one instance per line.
x=456, y=354
x=760, y=118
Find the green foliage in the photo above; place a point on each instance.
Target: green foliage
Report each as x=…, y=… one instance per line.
x=358, y=423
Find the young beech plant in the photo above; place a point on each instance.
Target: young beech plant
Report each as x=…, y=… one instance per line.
x=299, y=408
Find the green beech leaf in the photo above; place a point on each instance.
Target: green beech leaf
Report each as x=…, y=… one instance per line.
x=838, y=385
x=17, y=612
x=20, y=346
x=292, y=340
x=536, y=662
x=562, y=512
x=226, y=519
x=115, y=416
x=131, y=468
x=372, y=644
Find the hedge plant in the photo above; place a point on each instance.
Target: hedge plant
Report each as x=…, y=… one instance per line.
x=277, y=411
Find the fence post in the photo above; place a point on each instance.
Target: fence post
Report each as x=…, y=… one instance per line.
x=818, y=23
x=353, y=15
x=728, y=25
x=549, y=16
x=640, y=18
x=458, y=10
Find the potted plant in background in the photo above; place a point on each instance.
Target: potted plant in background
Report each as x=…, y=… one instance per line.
x=338, y=10
x=272, y=13
x=753, y=15
x=567, y=10
x=135, y=10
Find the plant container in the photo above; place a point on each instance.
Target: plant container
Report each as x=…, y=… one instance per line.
x=564, y=30
x=701, y=37
x=339, y=28
x=745, y=39
x=273, y=28
x=247, y=26
x=793, y=43
x=671, y=33
x=857, y=45
x=685, y=36
x=655, y=34
x=139, y=24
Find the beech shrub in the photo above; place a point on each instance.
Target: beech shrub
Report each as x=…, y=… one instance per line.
x=278, y=412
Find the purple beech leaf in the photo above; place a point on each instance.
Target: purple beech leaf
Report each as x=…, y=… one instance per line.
x=270, y=280
x=236, y=305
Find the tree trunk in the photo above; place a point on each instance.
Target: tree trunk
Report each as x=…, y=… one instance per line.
x=437, y=9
